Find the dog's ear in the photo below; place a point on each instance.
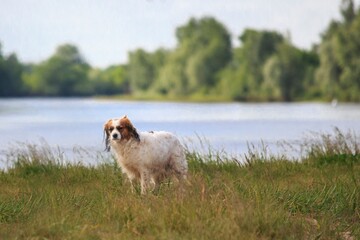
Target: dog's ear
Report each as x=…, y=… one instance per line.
x=106, y=136
x=130, y=130
x=135, y=134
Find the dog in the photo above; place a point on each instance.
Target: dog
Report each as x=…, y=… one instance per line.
x=147, y=157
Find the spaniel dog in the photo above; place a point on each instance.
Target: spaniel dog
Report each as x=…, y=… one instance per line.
x=149, y=157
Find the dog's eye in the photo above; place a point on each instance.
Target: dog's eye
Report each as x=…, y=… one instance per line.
x=119, y=128
x=111, y=128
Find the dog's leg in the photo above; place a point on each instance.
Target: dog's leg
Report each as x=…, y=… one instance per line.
x=156, y=186
x=179, y=167
x=132, y=185
x=144, y=182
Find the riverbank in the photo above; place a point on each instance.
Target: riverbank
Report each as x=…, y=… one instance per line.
x=152, y=97
x=264, y=197
x=202, y=98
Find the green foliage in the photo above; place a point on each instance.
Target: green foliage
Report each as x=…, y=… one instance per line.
x=244, y=76
x=347, y=10
x=268, y=67
x=63, y=74
x=204, y=48
x=110, y=81
x=339, y=71
x=285, y=73
x=144, y=68
x=10, y=75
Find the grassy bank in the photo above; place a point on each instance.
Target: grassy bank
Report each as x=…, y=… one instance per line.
x=144, y=96
x=263, y=197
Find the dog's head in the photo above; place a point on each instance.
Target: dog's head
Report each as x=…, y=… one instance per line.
x=119, y=129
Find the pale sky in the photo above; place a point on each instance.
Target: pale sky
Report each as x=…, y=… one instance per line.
x=106, y=30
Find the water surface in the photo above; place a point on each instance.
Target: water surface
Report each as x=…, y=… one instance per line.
x=228, y=126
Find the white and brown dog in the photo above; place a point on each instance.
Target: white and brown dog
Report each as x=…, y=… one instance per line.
x=149, y=157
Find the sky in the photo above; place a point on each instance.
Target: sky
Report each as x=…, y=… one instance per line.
x=106, y=30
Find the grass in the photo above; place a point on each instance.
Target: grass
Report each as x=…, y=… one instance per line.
x=261, y=197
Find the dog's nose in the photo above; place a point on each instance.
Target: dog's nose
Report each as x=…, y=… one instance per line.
x=115, y=135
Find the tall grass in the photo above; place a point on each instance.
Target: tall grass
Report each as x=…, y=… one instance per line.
x=338, y=148
x=261, y=196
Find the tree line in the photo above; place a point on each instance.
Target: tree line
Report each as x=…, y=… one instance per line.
x=265, y=67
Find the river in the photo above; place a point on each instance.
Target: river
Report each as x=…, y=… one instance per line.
x=78, y=122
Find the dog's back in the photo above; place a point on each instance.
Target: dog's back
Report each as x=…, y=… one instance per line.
x=158, y=154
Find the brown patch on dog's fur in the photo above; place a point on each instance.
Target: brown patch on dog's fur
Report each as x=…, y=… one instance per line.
x=127, y=129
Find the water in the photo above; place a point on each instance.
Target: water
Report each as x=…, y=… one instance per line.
x=69, y=123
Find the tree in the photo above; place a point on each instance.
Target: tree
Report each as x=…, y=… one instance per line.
x=144, y=68
x=347, y=10
x=244, y=76
x=338, y=75
x=204, y=48
x=10, y=75
x=172, y=79
x=63, y=74
x=285, y=73
x=111, y=81
x=141, y=71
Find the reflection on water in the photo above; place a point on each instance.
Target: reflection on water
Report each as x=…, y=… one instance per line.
x=230, y=126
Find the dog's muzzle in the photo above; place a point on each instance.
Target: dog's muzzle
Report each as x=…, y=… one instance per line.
x=115, y=136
